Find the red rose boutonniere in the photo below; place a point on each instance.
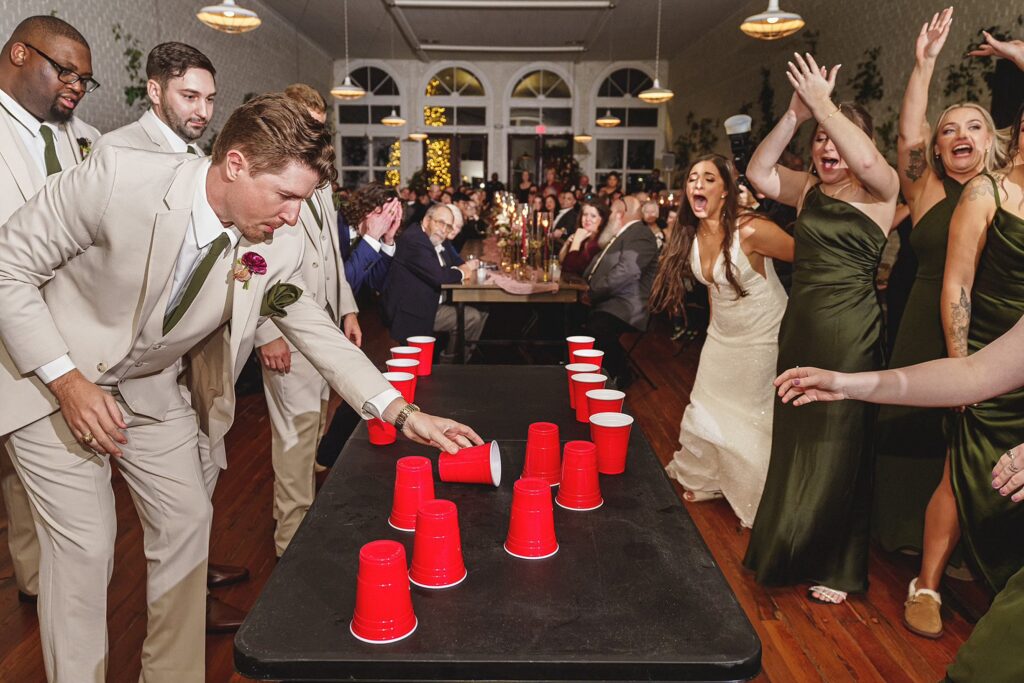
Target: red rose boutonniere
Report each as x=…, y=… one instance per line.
x=250, y=264
x=84, y=146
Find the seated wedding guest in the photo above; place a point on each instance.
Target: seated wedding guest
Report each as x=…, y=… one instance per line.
x=612, y=185
x=813, y=522
x=37, y=107
x=472, y=226
x=493, y=185
x=413, y=302
x=367, y=225
x=523, y=187
x=550, y=204
x=93, y=362
x=620, y=279
x=579, y=250
x=650, y=213
x=536, y=202
x=653, y=184
x=551, y=182
x=417, y=209
x=584, y=188
x=565, y=219
x=452, y=235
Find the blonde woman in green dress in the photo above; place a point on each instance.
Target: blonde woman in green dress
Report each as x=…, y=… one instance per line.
x=812, y=522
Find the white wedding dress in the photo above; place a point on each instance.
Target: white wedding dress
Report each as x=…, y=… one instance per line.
x=726, y=433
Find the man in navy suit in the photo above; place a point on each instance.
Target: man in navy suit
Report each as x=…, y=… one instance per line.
x=368, y=241
x=413, y=302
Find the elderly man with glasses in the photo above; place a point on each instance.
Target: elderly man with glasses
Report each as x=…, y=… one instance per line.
x=413, y=302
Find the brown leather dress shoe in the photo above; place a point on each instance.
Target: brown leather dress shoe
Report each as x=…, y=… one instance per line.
x=218, y=575
x=222, y=617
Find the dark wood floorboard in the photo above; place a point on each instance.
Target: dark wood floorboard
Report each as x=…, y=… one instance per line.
x=863, y=640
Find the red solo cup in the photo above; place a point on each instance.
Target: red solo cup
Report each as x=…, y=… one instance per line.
x=582, y=383
x=592, y=356
x=427, y=356
x=580, y=489
x=437, y=549
x=575, y=369
x=383, y=612
x=381, y=433
x=604, y=401
x=610, y=433
x=531, y=529
x=414, y=485
x=579, y=342
x=543, y=458
x=405, y=365
x=474, y=465
x=405, y=382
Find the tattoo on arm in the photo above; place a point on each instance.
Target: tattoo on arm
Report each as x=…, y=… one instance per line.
x=980, y=187
x=961, y=319
x=916, y=164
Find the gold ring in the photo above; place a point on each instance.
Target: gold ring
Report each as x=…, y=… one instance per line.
x=87, y=438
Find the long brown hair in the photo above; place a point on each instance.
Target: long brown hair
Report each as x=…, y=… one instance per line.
x=668, y=290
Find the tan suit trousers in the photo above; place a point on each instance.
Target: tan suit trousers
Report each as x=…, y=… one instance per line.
x=21, y=530
x=70, y=491
x=297, y=406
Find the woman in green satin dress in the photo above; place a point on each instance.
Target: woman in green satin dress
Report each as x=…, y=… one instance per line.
x=911, y=447
x=812, y=524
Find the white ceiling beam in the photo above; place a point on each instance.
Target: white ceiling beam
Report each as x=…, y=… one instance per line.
x=436, y=47
x=405, y=28
x=505, y=4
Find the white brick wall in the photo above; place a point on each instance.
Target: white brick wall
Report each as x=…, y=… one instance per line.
x=715, y=75
x=269, y=58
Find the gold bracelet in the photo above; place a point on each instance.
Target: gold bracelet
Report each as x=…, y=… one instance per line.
x=836, y=111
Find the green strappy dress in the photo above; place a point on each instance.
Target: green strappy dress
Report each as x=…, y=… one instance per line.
x=812, y=523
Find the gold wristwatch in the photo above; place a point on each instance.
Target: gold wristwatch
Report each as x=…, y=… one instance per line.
x=404, y=414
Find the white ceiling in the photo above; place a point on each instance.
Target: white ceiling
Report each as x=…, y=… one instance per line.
x=623, y=32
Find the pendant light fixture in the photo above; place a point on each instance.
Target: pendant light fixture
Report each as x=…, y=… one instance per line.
x=772, y=24
x=608, y=120
x=418, y=136
x=582, y=138
x=393, y=119
x=347, y=90
x=656, y=94
x=227, y=17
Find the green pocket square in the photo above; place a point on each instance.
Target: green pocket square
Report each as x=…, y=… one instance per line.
x=278, y=297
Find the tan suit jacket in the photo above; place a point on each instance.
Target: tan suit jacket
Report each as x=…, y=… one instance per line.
x=141, y=134
x=104, y=239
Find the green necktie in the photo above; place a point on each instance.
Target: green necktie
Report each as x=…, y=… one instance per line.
x=316, y=214
x=192, y=150
x=195, y=283
x=50, y=153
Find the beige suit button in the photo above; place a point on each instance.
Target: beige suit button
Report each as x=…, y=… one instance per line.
x=101, y=367
x=323, y=236
x=157, y=347
x=315, y=264
x=140, y=364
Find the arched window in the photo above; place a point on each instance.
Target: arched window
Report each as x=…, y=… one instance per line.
x=368, y=150
x=455, y=120
x=541, y=83
x=631, y=147
x=454, y=80
x=530, y=105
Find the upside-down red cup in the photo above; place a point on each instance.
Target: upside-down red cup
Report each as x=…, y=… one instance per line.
x=427, y=356
x=383, y=612
x=381, y=433
x=592, y=356
x=405, y=365
x=580, y=488
x=531, y=528
x=575, y=369
x=413, y=352
x=604, y=401
x=473, y=465
x=405, y=382
x=578, y=342
x=582, y=383
x=610, y=433
x=543, y=453
x=414, y=485
x=437, y=548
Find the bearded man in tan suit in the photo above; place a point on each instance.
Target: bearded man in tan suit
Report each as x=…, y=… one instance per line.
x=148, y=259
x=39, y=135
x=181, y=89
x=296, y=394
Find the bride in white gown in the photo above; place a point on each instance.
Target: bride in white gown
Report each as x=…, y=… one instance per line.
x=726, y=431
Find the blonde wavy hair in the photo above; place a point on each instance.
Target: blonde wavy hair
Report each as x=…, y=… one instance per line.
x=996, y=156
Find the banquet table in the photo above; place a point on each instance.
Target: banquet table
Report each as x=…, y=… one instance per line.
x=632, y=593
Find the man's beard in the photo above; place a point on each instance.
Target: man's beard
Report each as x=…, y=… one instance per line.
x=59, y=114
x=179, y=126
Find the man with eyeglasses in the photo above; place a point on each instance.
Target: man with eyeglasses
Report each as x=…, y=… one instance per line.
x=414, y=303
x=45, y=71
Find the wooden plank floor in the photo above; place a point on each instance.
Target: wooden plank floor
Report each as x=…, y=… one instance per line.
x=862, y=640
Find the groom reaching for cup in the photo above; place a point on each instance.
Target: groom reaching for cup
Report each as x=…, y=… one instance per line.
x=114, y=272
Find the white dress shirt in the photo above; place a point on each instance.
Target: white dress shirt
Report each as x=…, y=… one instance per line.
x=28, y=130
x=176, y=143
x=374, y=243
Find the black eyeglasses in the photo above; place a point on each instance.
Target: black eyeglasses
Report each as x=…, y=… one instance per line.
x=65, y=75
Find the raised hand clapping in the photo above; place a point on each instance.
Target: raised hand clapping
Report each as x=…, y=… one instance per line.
x=813, y=83
x=933, y=36
x=1007, y=49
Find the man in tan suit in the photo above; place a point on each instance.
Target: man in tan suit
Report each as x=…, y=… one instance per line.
x=296, y=394
x=181, y=91
x=148, y=259
x=39, y=135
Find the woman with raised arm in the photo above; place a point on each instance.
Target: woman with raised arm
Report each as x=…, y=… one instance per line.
x=726, y=432
x=933, y=167
x=812, y=523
